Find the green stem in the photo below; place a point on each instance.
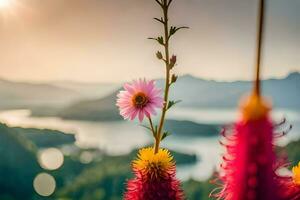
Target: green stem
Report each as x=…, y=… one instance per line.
x=152, y=127
x=167, y=83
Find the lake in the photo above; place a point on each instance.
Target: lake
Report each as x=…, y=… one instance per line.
x=121, y=137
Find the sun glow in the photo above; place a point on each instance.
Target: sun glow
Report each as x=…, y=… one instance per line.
x=4, y=3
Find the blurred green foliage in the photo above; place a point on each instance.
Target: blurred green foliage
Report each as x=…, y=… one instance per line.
x=293, y=152
x=18, y=165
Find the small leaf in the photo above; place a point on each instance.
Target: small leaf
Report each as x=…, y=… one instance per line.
x=150, y=38
x=159, y=39
x=159, y=2
x=154, y=132
x=165, y=134
x=172, y=103
x=146, y=127
x=174, y=29
x=159, y=20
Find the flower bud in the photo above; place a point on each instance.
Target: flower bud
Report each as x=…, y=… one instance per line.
x=159, y=55
x=173, y=61
x=174, y=78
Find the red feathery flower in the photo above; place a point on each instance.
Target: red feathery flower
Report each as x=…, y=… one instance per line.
x=248, y=169
x=154, y=177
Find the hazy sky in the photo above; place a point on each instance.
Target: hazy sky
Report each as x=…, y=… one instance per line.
x=105, y=40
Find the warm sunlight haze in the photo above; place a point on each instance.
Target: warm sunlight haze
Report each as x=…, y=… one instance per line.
x=4, y=3
x=149, y=100
x=90, y=40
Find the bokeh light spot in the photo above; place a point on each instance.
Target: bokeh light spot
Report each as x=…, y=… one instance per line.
x=44, y=184
x=51, y=159
x=86, y=157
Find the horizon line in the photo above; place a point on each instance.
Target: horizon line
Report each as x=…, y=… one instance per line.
x=28, y=81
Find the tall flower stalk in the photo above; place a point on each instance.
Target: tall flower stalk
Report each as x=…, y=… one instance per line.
x=170, y=63
x=248, y=168
x=141, y=97
x=154, y=169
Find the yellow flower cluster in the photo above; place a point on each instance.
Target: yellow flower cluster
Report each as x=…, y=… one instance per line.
x=155, y=164
x=296, y=174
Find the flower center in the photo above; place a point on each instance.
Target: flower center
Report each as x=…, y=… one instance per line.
x=140, y=100
x=155, y=165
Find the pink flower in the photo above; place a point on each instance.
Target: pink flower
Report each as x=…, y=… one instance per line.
x=140, y=98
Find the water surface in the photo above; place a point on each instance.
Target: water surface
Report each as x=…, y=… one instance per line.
x=121, y=137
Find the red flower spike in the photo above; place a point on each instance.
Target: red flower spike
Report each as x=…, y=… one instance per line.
x=248, y=168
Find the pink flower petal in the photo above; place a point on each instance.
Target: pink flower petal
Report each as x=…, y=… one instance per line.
x=134, y=114
x=141, y=115
x=149, y=109
x=129, y=88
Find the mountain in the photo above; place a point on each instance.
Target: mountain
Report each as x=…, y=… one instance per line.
x=22, y=95
x=103, y=109
x=45, y=138
x=15, y=95
x=88, y=90
x=196, y=92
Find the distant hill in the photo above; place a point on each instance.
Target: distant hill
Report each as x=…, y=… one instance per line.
x=20, y=95
x=88, y=90
x=196, y=92
x=44, y=138
x=103, y=109
x=15, y=95
x=187, y=128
